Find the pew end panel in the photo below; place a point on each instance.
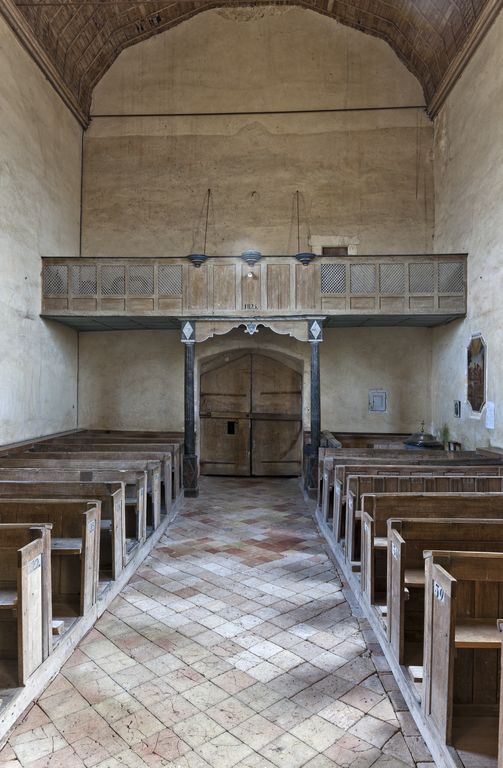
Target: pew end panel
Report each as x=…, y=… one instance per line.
x=22, y=617
x=408, y=538
x=463, y=647
x=382, y=507
x=396, y=590
x=75, y=547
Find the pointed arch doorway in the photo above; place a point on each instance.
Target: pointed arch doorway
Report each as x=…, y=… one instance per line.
x=251, y=416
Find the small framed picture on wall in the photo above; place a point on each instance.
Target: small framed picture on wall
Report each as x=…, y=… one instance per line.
x=476, y=373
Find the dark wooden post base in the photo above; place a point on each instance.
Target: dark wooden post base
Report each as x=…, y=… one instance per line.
x=190, y=459
x=190, y=477
x=315, y=336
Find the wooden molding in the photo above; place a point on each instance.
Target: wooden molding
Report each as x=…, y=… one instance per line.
x=28, y=40
x=458, y=64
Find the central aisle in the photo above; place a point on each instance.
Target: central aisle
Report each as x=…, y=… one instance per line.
x=233, y=645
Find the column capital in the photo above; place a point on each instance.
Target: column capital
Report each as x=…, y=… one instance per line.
x=315, y=330
x=188, y=335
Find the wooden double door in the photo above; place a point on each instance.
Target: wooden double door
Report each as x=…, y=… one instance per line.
x=251, y=417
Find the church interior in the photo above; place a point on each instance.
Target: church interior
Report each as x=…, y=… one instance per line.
x=251, y=451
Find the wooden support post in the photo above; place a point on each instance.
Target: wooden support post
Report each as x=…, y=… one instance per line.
x=190, y=459
x=315, y=336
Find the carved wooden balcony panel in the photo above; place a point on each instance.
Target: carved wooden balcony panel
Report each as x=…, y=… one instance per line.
x=351, y=287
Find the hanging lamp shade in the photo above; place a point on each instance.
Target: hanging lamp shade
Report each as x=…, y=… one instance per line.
x=197, y=258
x=305, y=258
x=251, y=257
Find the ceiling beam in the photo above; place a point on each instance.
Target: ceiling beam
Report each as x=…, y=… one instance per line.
x=28, y=39
x=460, y=61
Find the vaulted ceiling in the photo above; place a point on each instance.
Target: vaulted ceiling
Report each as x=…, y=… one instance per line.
x=76, y=41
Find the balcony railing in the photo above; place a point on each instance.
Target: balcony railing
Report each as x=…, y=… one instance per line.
x=349, y=286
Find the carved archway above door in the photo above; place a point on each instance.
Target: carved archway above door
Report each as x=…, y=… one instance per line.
x=206, y=329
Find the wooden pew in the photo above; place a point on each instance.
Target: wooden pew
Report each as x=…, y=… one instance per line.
x=112, y=497
x=75, y=546
x=407, y=541
x=25, y=617
x=394, y=456
x=377, y=509
x=133, y=531
x=411, y=480
x=367, y=440
x=462, y=646
x=117, y=442
x=150, y=434
x=334, y=468
x=152, y=469
x=112, y=452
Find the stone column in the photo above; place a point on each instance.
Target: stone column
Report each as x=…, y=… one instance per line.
x=190, y=459
x=315, y=336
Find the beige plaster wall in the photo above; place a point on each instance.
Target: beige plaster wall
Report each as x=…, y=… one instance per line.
x=363, y=175
x=39, y=216
x=355, y=360
x=134, y=379
x=131, y=380
x=469, y=216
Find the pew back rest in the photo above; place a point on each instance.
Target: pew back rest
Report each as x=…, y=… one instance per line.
x=408, y=538
x=65, y=516
x=425, y=469
x=341, y=454
x=382, y=507
x=435, y=480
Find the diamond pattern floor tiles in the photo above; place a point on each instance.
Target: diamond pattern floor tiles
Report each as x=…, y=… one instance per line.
x=233, y=645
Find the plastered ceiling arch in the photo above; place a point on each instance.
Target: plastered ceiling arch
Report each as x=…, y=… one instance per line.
x=76, y=43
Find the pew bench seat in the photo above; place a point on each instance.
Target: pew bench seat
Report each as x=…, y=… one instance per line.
x=8, y=598
x=477, y=633
x=67, y=546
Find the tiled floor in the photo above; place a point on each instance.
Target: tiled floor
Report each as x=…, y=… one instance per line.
x=233, y=645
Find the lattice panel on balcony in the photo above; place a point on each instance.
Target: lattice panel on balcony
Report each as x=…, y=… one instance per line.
x=451, y=277
x=170, y=280
x=392, y=279
x=421, y=278
x=55, y=280
x=141, y=281
x=83, y=281
x=113, y=281
x=363, y=279
x=333, y=278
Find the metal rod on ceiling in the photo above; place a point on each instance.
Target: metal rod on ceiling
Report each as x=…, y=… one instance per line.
x=100, y=3
x=207, y=216
x=259, y=113
x=298, y=222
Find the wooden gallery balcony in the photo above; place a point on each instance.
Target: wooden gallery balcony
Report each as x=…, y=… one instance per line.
x=118, y=293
